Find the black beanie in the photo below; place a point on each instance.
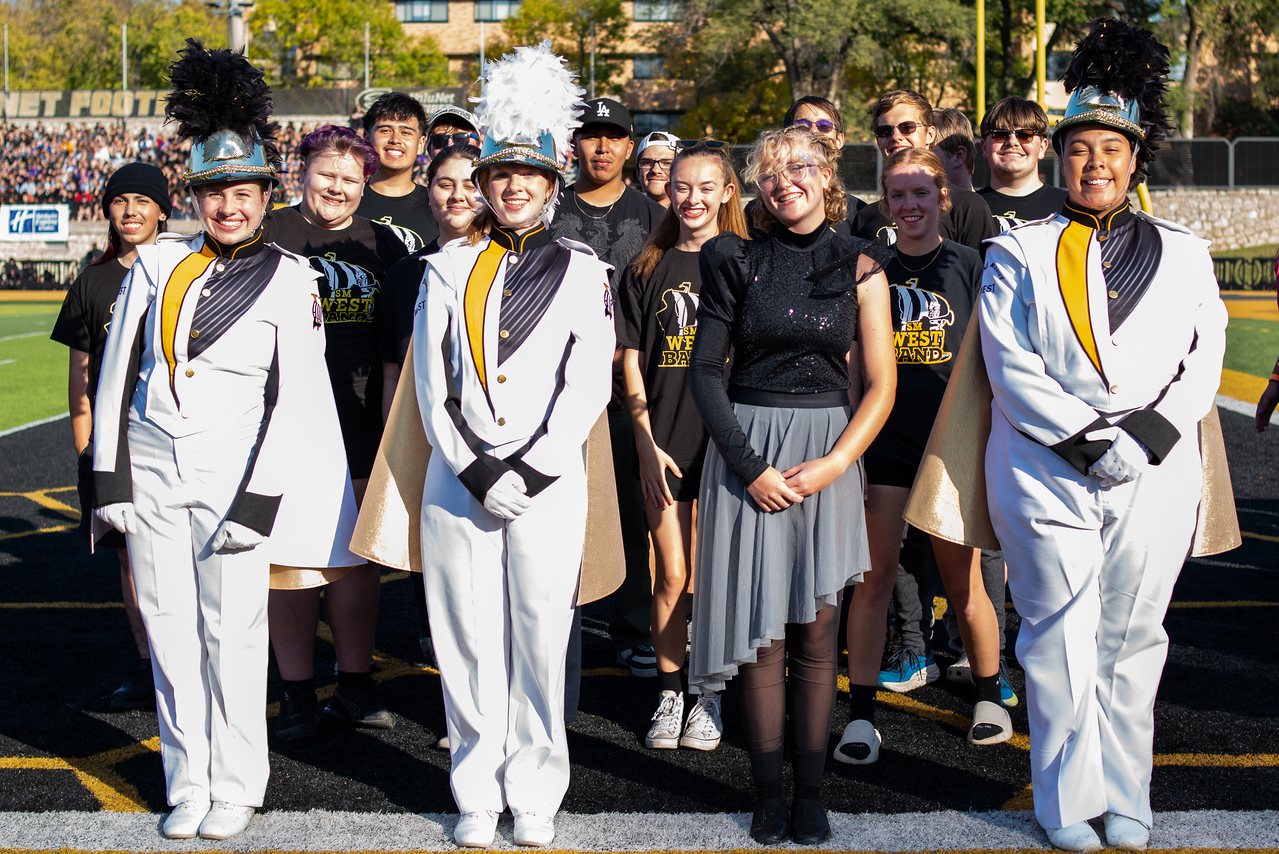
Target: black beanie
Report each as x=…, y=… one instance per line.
x=141, y=178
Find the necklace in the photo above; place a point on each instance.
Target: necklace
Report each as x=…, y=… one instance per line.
x=936, y=252
x=607, y=210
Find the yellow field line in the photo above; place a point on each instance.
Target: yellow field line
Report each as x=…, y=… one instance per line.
x=25, y=494
x=1266, y=537
x=1241, y=386
x=1218, y=760
x=40, y=497
x=1239, y=604
x=96, y=773
x=52, y=530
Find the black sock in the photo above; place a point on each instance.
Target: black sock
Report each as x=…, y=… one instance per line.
x=862, y=702
x=673, y=681
x=360, y=682
x=766, y=769
x=301, y=688
x=988, y=688
x=808, y=766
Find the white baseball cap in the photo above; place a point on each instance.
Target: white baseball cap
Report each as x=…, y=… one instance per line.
x=657, y=137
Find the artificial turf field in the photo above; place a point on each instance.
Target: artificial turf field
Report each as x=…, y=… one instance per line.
x=75, y=775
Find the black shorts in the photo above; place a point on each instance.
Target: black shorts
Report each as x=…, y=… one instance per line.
x=685, y=488
x=359, y=405
x=112, y=539
x=886, y=471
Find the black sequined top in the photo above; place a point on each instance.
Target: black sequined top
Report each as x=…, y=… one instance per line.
x=786, y=309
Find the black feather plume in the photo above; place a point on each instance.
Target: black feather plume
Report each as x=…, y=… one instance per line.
x=217, y=90
x=1118, y=57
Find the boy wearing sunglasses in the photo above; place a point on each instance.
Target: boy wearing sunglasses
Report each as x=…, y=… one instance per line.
x=904, y=119
x=1014, y=139
x=393, y=126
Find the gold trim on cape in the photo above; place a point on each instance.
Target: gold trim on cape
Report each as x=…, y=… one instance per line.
x=948, y=499
x=388, y=530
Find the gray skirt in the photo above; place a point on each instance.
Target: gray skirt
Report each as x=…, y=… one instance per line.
x=757, y=571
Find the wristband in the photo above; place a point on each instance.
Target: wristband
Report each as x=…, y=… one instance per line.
x=1274, y=378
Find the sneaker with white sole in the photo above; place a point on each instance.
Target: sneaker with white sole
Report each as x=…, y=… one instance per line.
x=184, y=821
x=641, y=659
x=225, y=820
x=1007, y=695
x=859, y=745
x=668, y=720
x=534, y=829
x=476, y=829
x=908, y=670
x=704, y=727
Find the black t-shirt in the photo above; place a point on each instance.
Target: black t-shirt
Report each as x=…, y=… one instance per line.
x=616, y=233
x=1014, y=210
x=932, y=300
x=353, y=262
x=408, y=216
x=968, y=222
x=393, y=324
x=658, y=317
x=85, y=317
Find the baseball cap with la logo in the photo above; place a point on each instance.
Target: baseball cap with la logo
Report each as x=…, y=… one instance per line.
x=606, y=111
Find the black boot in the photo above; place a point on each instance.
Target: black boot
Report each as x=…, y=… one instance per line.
x=808, y=824
x=770, y=824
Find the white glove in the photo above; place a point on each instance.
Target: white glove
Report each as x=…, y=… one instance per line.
x=235, y=537
x=120, y=516
x=1126, y=460
x=506, y=499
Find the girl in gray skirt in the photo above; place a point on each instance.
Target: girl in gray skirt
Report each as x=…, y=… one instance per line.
x=781, y=522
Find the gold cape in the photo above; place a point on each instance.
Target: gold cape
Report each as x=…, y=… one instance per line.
x=948, y=499
x=389, y=528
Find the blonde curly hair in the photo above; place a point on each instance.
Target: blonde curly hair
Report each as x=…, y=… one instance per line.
x=775, y=148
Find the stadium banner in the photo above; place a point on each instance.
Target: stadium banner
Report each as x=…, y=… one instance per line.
x=1244, y=274
x=149, y=103
x=48, y=223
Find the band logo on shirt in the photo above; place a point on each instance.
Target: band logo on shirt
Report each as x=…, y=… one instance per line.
x=921, y=320
x=350, y=290
x=679, y=312
x=410, y=238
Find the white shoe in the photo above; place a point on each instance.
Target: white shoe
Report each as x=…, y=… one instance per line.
x=859, y=745
x=476, y=829
x=704, y=727
x=1124, y=833
x=960, y=671
x=991, y=724
x=668, y=720
x=442, y=744
x=225, y=820
x=184, y=821
x=537, y=831
x=1077, y=837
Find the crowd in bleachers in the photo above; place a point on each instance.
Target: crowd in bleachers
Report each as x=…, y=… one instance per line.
x=71, y=164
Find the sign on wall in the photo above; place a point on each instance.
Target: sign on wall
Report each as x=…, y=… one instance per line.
x=49, y=223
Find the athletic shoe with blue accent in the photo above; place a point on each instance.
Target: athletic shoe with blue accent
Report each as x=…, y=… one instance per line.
x=908, y=670
x=1007, y=695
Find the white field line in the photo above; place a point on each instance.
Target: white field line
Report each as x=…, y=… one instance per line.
x=1240, y=406
x=49, y=420
x=348, y=831
x=23, y=335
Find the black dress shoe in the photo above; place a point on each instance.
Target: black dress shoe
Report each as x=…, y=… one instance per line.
x=137, y=692
x=770, y=824
x=808, y=824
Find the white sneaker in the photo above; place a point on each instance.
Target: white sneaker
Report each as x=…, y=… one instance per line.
x=1126, y=834
x=960, y=671
x=1078, y=837
x=704, y=727
x=859, y=745
x=533, y=829
x=184, y=821
x=668, y=720
x=225, y=820
x=476, y=829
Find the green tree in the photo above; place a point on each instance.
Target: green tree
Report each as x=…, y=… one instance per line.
x=568, y=24
x=322, y=41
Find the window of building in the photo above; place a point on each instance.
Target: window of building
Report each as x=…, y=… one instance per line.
x=659, y=10
x=496, y=10
x=422, y=11
x=649, y=68
x=646, y=123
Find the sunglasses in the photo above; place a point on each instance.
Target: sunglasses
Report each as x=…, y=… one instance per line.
x=905, y=128
x=822, y=126
x=711, y=144
x=1023, y=135
x=794, y=172
x=444, y=140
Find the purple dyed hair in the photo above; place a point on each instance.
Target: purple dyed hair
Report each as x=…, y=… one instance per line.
x=343, y=141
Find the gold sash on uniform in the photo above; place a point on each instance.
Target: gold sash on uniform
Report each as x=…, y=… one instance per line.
x=389, y=528
x=949, y=499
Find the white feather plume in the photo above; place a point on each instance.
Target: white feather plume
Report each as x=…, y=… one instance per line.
x=527, y=94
